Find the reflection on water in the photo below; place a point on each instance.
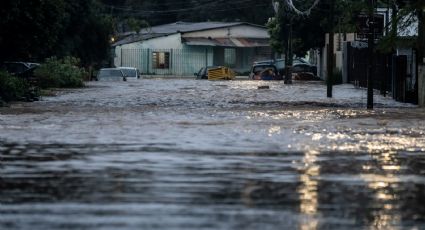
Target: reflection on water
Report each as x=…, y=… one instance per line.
x=308, y=190
x=208, y=155
x=387, y=215
x=131, y=186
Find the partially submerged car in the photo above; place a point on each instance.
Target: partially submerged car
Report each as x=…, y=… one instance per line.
x=265, y=71
x=130, y=72
x=111, y=74
x=300, y=68
x=25, y=70
x=19, y=68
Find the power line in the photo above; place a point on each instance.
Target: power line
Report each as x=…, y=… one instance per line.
x=177, y=10
x=307, y=12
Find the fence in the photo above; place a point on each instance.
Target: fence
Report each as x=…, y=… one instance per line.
x=392, y=73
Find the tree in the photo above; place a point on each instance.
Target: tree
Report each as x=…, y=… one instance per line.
x=30, y=30
x=168, y=11
x=309, y=32
x=87, y=32
x=37, y=29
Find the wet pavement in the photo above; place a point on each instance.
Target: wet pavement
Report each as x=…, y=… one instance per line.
x=186, y=154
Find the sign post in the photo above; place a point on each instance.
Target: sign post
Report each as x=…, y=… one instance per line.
x=370, y=26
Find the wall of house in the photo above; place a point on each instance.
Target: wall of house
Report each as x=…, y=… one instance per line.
x=339, y=40
x=182, y=61
x=235, y=31
x=186, y=60
x=138, y=54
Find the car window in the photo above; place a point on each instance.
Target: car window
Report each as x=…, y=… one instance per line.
x=110, y=73
x=130, y=72
x=16, y=68
x=280, y=64
x=301, y=67
x=260, y=68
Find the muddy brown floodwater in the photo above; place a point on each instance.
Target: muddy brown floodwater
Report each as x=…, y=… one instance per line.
x=187, y=154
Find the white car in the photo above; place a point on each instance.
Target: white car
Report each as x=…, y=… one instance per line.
x=111, y=74
x=130, y=72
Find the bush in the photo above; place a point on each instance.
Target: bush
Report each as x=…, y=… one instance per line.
x=12, y=88
x=336, y=77
x=60, y=73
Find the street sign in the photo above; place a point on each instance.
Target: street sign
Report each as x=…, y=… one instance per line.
x=364, y=23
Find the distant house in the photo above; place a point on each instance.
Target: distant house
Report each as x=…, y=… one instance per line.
x=182, y=48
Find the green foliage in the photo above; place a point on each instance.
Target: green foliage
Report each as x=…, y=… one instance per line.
x=136, y=24
x=87, y=32
x=336, y=77
x=275, y=32
x=60, y=73
x=168, y=11
x=309, y=31
x=30, y=29
x=12, y=88
x=405, y=13
x=36, y=29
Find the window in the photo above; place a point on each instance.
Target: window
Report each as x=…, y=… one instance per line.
x=161, y=60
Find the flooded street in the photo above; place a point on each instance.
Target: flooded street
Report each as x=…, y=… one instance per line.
x=187, y=154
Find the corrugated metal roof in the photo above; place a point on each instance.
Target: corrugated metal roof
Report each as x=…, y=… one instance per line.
x=185, y=27
x=136, y=37
x=177, y=27
x=227, y=42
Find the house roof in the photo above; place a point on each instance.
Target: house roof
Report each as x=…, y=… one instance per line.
x=136, y=37
x=177, y=27
x=184, y=27
x=227, y=42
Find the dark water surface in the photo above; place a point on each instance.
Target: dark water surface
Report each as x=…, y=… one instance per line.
x=128, y=157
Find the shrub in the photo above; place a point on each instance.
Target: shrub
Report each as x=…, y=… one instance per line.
x=12, y=88
x=60, y=73
x=336, y=77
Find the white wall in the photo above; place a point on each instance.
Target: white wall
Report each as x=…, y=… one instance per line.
x=167, y=42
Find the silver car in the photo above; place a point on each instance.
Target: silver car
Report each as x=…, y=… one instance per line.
x=111, y=74
x=130, y=72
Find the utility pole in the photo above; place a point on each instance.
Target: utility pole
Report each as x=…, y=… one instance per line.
x=288, y=46
x=289, y=58
x=330, y=51
x=371, y=62
x=421, y=55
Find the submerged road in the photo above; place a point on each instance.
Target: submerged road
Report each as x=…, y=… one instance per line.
x=187, y=154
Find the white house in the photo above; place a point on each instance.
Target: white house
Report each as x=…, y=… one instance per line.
x=183, y=48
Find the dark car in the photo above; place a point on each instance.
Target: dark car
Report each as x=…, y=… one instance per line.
x=25, y=70
x=203, y=72
x=18, y=68
x=302, y=66
x=265, y=71
x=299, y=67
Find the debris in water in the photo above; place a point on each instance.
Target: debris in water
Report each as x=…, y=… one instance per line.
x=263, y=87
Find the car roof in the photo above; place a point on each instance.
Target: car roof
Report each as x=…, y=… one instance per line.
x=110, y=69
x=122, y=67
x=265, y=64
